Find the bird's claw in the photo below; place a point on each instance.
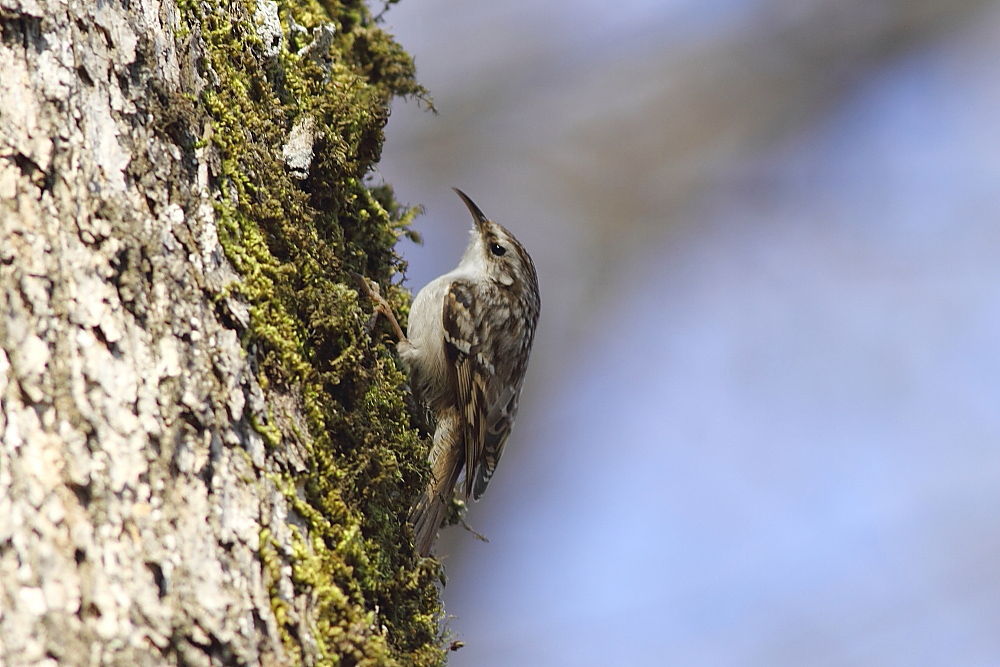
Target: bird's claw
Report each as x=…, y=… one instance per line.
x=382, y=307
x=372, y=291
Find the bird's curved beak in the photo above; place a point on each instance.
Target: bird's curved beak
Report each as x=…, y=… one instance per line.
x=478, y=216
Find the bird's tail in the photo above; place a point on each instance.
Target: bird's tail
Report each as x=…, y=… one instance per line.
x=446, y=458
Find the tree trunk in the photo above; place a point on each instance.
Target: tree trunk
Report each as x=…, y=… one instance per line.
x=206, y=457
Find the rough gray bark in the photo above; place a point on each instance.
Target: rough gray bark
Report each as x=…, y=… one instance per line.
x=132, y=499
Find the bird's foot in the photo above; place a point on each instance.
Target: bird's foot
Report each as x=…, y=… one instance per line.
x=382, y=307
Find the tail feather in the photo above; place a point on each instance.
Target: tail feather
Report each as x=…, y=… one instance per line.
x=446, y=458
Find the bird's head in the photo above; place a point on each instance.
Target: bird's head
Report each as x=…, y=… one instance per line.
x=494, y=253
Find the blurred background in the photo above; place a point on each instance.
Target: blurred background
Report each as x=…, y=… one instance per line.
x=761, y=424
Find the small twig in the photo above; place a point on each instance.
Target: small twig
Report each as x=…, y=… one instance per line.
x=381, y=305
x=475, y=533
x=385, y=8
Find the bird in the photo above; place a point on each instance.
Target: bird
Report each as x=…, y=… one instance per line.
x=466, y=349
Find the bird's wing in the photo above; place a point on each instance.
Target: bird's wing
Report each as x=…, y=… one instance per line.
x=463, y=344
x=499, y=420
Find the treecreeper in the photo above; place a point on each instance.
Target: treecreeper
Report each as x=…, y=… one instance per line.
x=466, y=349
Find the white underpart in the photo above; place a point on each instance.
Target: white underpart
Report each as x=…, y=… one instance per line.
x=425, y=330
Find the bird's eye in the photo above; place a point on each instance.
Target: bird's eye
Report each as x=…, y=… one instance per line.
x=497, y=249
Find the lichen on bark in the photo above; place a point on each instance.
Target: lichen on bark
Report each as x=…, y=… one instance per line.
x=295, y=235
x=207, y=458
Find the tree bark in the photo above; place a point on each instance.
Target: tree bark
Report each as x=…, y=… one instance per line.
x=206, y=458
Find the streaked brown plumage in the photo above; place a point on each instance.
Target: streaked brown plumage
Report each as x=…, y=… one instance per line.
x=467, y=346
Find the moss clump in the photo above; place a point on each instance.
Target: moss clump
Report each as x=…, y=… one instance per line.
x=295, y=241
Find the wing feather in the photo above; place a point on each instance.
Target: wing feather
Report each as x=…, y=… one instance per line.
x=499, y=421
x=487, y=382
x=463, y=337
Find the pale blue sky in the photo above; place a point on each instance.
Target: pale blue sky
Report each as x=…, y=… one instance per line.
x=774, y=438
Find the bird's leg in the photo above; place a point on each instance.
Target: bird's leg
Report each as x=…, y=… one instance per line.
x=382, y=306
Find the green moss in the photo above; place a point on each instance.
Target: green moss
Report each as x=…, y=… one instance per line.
x=295, y=243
